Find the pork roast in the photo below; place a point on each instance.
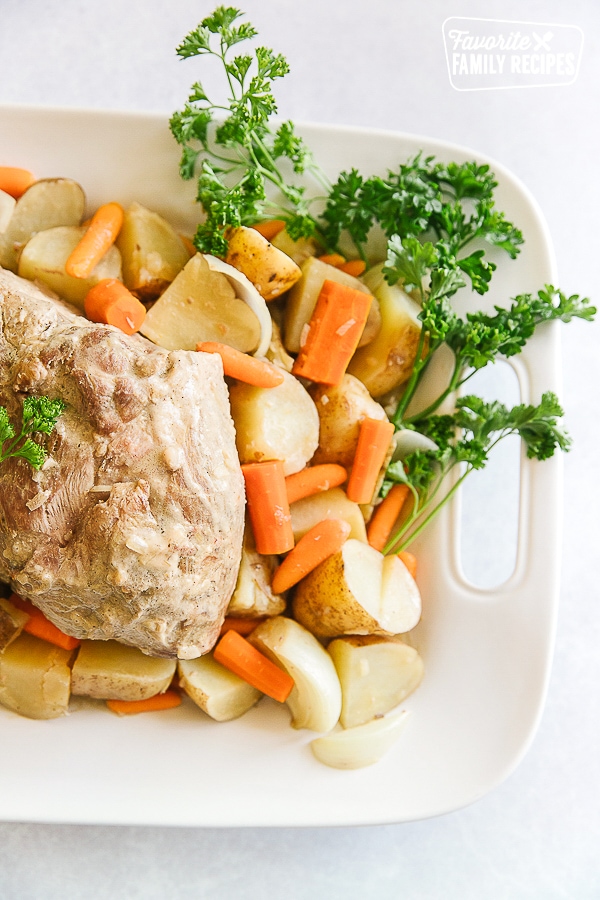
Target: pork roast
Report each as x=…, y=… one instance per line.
x=132, y=529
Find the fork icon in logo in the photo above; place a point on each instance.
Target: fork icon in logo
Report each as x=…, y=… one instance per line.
x=543, y=41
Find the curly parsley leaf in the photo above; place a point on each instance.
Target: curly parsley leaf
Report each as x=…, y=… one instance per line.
x=39, y=416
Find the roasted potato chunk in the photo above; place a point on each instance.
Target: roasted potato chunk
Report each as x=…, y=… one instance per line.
x=107, y=670
x=389, y=359
x=43, y=258
x=271, y=272
x=151, y=250
x=331, y=504
x=46, y=204
x=275, y=423
x=341, y=409
x=35, y=678
x=253, y=597
x=358, y=591
x=201, y=305
x=219, y=693
x=376, y=674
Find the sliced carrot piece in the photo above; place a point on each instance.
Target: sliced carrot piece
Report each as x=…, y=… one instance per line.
x=374, y=440
x=111, y=303
x=270, y=229
x=15, y=181
x=101, y=234
x=239, y=656
x=242, y=626
x=245, y=368
x=314, y=479
x=334, y=331
x=168, y=700
x=385, y=515
x=333, y=259
x=39, y=626
x=354, y=267
x=268, y=506
x=317, y=545
x=410, y=561
x=188, y=244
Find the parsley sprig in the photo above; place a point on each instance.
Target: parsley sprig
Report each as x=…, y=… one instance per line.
x=466, y=439
x=238, y=151
x=439, y=219
x=39, y=416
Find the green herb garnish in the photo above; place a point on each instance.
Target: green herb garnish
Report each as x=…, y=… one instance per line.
x=430, y=213
x=39, y=416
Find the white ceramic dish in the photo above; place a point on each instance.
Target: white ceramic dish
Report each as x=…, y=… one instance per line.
x=487, y=654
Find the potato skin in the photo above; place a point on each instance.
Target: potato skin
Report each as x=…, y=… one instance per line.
x=388, y=360
x=341, y=409
x=35, y=678
x=151, y=250
x=270, y=271
x=324, y=604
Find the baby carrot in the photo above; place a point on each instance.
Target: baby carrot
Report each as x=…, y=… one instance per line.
x=333, y=259
x=268, y=506
x=314, y=479
x=333, y=334
x=354, y=267
x=317, y=545
x=101, y=234
x=152, y=704
x=245, y=368
x=15, y=181
x=374, y=441
x=242, y=626
x=239, y=656
x=110, y=302
x=39, y=626
x=385, y=515
x=410, y=561
x=270, y=229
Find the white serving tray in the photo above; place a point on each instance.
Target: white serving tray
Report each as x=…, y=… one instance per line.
x=487, y=653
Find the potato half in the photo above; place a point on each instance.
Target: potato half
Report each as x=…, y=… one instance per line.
x=201, y=305
x=35, y=678
x=219, y=693
x=107, y=670
x=388, y=360
x=316, y=698
x=376, y=674
x=43, y=258
x=151, y=250
x=331, y=504
x=253, y=597
x=358, y=591
x=361, y=746
x=275, y=423
x=270, y=271
x=46, y=204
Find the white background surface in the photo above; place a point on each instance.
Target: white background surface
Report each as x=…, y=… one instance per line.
x=378, y=63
